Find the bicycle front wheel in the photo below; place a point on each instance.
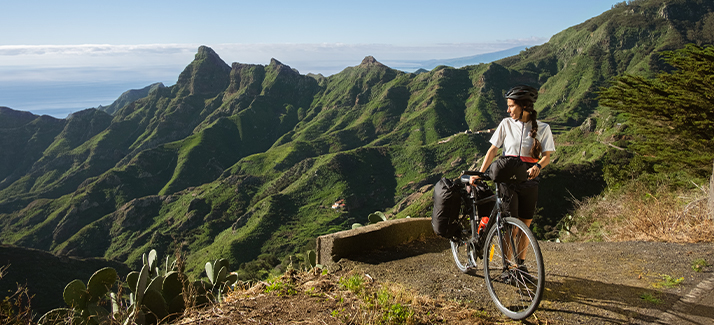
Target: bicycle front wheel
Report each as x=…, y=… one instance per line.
x=513, y=269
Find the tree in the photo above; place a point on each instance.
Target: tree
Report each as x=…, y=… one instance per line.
x=673, y=112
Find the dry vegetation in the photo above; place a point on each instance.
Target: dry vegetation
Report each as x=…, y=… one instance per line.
x=339, y=298
x=639, y=214
x=15, y=308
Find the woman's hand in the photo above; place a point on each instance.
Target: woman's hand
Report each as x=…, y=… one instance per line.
x=474, y=179
x=533, y=172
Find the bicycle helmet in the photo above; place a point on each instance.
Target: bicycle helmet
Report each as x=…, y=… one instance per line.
x=521, y=92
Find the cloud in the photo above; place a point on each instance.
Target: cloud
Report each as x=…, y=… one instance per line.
x=340, y=51
x=58, y=79
x=94, y=49
x=69, y=62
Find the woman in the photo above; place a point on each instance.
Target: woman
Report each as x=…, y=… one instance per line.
x=522, y=135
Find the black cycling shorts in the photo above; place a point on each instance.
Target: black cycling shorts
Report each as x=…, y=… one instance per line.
x=523, y=199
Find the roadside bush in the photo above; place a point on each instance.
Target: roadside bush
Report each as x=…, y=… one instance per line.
x=620, y=167
x=634, y=212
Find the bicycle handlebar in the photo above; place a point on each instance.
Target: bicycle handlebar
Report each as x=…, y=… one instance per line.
x=466, y=176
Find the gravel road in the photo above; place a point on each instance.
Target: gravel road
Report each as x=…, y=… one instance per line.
x=586, y=283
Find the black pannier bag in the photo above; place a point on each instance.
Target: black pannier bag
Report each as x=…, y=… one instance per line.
x=482, y=192
x=447, y=204
x=508, y=169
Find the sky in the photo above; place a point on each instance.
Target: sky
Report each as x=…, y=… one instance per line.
x=61, y=56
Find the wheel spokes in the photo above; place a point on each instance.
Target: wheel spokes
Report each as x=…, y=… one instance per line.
x=512, y=269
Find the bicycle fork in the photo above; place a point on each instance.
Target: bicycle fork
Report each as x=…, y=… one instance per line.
x=508, y=244
x=505, y=237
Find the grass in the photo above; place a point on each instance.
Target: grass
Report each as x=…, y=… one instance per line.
x=398, y=314
x=668, y=282
x=651, y=298
x=279, y=287
x=699, y=264
x=348, y=297
x=353, y=283
x=385, y=301
x=635, y=213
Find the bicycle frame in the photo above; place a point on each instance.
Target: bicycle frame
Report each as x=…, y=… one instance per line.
x=495, y=218
x=507, y=241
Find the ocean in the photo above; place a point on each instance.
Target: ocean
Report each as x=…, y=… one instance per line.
x=60, y=91
x=59, y=99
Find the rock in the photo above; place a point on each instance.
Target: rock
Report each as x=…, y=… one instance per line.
x=457, y=161
x=369, y=61
x=588, y=126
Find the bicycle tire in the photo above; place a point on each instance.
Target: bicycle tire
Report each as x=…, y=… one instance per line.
x=463, y=252
x=515, y=291
x=462, y=248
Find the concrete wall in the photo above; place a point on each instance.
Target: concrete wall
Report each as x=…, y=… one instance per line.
x=332, y=247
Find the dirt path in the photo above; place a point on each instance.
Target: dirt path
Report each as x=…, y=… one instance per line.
x=587, y=283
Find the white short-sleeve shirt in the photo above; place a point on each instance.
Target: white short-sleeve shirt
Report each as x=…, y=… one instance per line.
x=511, y=132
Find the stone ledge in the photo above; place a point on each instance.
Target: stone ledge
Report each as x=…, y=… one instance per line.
x=332, y=247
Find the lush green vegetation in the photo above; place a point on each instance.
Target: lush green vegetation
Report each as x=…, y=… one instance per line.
x=246, y=161
x=673, y=115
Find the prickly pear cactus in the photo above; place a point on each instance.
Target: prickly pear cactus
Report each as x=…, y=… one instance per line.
x=376, y=216
x=75, y=295
x=100, y=283
x=172, y=286
x=312, y=260
x=219, y=277
x=84, y=301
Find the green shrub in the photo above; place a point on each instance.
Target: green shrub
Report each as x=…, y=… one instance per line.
x=354, y=283
x=699, y=264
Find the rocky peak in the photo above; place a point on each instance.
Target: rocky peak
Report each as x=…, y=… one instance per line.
x=369, y=61
x=207, y=75
x=207, y=53
x=275, y=62
x=280, y=67
x=277, y=65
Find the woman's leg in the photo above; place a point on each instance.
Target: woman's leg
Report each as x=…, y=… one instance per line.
x=527, y=200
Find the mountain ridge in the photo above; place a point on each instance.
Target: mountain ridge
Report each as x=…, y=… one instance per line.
x=130, y=96
x=245, y=161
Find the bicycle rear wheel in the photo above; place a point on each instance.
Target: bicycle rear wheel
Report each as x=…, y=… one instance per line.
x=514, y=271
x=463, y=252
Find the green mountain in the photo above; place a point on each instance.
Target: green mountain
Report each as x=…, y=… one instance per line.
x=245, y=161
x=130, y=96
x=629, y=38
x=45, y=275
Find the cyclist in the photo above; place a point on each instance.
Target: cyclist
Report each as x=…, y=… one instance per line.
x=522, y=135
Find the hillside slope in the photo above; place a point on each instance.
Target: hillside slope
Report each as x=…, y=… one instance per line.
x=130, y=96
x=245, y=161
x=29, y=268
x=629, y=38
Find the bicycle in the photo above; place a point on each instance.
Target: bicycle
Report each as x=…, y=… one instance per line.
x=515, y=278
